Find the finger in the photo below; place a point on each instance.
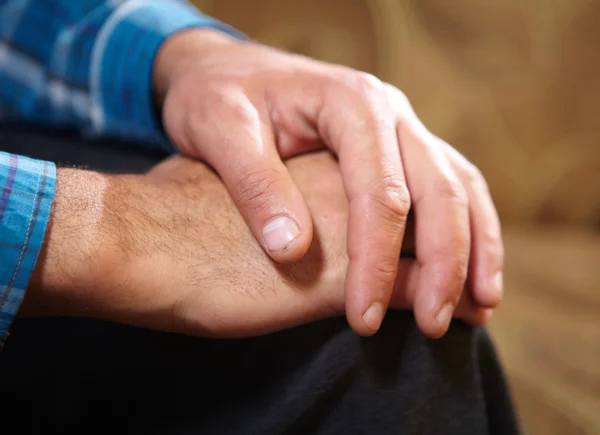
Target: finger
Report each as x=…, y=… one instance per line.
x=405, y=290
x=409, y=248
x=441, y=221
x=239, y=145
x=487, y=251
x=471, y=312
x=406, y=284
x=359, y=127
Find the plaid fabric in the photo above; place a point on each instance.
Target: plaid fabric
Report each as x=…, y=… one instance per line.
x=85, y=64
x=88, y=63
x=25, y=201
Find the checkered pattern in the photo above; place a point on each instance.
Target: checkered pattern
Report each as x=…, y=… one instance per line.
x=75, y=63
x=88, y=63
x=25, y=202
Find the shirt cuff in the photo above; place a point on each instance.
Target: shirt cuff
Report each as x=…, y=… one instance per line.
x=123, y=101
x=26, y=193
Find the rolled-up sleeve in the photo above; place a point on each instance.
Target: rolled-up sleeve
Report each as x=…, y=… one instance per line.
x=87, y=64
x=122, y=61
x=26, y=194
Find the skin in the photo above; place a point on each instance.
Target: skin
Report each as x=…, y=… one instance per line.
x=244, y=108
x=169, y=250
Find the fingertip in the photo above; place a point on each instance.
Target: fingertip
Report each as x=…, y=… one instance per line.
x=433, y=330
x=280, y=233
x=444, y=316
x=486, y=300
x=373, y=317
x=285, y=240
x=479, y=317
x=366, y=325
x=435, y=323
x=497, y=287
x=363, y=314
x=367, y=300
x=485, y=316
x=490, y=292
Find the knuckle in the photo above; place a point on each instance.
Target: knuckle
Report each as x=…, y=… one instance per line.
x=476, y=178
x=357, y=86
x=255, y=188
x=231, y=103
x=398, y=99
x=450, y=188
x=399, y=95
x=393, y=195
x=365, y=83
x=384, y=271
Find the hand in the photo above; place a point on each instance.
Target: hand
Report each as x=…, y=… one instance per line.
x=169, y=251
x=243, y=107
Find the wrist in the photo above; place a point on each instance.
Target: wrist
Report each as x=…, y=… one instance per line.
x=179, y=49
x=74, y=256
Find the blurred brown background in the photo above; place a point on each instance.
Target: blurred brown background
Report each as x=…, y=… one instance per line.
x=514, y=85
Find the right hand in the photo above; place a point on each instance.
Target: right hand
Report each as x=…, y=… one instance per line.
x=169, y=251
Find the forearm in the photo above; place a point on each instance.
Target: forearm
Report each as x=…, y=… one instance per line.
x=71, y=258
x=66, y=240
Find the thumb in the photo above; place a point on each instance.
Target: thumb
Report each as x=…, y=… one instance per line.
x=271, y=204
x=241, y=148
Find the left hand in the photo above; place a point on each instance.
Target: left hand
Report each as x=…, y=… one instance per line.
x=242, y=107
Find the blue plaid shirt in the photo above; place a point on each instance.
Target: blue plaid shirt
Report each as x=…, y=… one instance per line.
x=76, y=63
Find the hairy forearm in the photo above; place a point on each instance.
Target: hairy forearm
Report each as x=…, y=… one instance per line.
x=71, y=258
x=109, y=239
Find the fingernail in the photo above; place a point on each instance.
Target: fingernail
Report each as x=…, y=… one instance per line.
x=374, y=316
x=497, y=283
x=444, y=315
x=279, y=233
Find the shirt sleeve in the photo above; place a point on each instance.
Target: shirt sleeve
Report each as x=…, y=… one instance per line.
x=88, y=63
x=26, y=194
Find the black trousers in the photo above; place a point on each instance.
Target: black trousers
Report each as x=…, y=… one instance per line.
x=77, y=376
